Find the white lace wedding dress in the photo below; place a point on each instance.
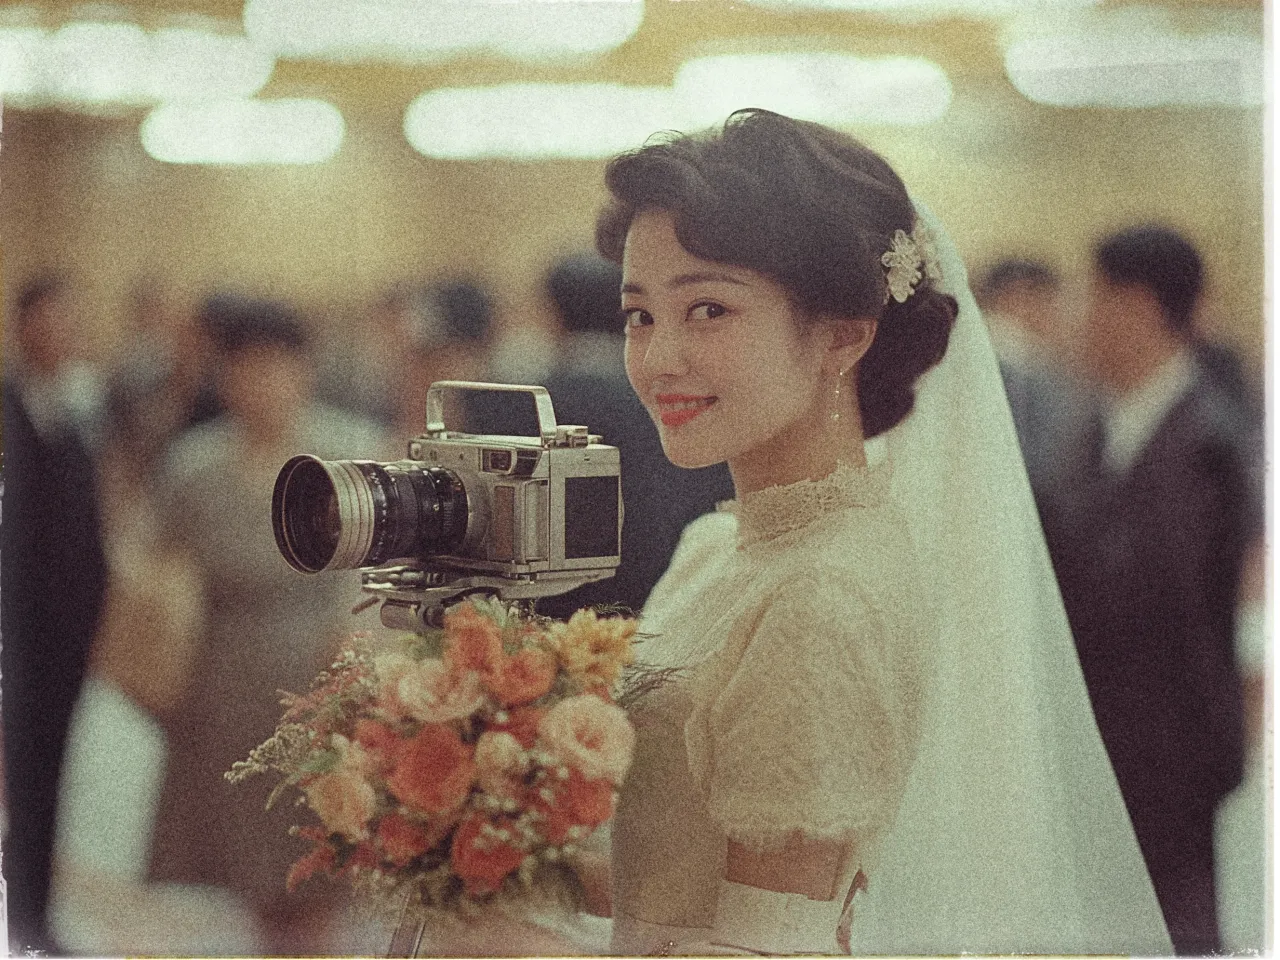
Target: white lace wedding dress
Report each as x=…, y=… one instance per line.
x=792, y=613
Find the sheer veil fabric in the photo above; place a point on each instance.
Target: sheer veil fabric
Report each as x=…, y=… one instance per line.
x=1012, y=836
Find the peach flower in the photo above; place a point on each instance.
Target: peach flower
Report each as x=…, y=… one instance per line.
x=500, y=761
x=472, y=641
x=433, y=771
x=523, y=677
x=344, y=800
x=390, y=669
x=587, y=734
x=433, y=693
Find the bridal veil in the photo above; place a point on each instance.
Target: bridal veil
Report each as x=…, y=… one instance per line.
x=1012, y=836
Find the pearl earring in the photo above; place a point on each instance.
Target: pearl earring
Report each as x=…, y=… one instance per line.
x=835, y=417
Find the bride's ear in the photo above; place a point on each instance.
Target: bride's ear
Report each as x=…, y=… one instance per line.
x=851, y=338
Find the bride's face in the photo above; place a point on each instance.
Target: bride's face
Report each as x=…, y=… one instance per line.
x=717, y=353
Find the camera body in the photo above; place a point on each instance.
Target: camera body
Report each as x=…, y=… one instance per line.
x=515, y=517
x=549, y=506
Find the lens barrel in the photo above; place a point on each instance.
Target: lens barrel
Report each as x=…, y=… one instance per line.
x=346, y=514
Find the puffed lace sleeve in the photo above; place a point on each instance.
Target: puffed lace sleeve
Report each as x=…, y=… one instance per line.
x=808, y=720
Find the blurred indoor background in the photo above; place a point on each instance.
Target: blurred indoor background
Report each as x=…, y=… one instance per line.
x=460, y=142
x=398, y=176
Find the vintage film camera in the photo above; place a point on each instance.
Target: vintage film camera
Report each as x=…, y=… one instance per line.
x=512, y=517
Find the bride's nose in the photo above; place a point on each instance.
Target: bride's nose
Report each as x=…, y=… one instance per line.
x=664, y=354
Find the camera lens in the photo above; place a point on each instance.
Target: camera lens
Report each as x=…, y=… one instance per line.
x=345, y=514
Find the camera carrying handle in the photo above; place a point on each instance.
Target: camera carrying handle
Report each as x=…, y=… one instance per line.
x=541, y=401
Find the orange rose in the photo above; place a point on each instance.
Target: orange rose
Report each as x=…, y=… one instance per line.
x=481, y=859
x=401, y=839
x=590, y=802
x=575, y=802
x=319, y=860
x=523, y=677
x=521, y=723
x=433, y=771
x=472, y=641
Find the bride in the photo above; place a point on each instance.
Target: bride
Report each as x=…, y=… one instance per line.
x=878, y=739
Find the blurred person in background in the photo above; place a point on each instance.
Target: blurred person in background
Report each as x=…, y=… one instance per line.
x=266, y=627
x=588, y=386
x=451, y=340
x=363, y=370
x=1149, y=555
x=52, y=583
x=1019, y=299
x=165, y=381
x=61, y=386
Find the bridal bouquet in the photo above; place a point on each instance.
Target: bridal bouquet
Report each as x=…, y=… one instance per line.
x=460, y=767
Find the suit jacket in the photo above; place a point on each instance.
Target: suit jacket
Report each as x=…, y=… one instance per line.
x=1149, y=564
x=659, y=499
x=52, y=582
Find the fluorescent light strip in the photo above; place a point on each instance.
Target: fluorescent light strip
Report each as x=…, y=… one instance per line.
x=417, y=31
x=833, y=88
x=536, y=121
x=94, y=63
x=244, y=132
x=1156, y=69
x=927, y=9
x=21, y=66
x=586, y=121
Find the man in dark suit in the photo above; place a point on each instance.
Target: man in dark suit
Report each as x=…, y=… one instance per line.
x=1157, y=513
x=52, y=582
x=589, y=387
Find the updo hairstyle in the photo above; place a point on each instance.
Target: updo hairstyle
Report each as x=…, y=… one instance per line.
x=810, y=208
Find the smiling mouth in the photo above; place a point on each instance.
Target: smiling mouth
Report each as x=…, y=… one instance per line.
x=676, y=410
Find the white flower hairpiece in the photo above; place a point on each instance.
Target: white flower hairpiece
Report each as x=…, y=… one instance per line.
x=908, y=260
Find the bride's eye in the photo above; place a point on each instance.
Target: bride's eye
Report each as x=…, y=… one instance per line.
x=634, y=317
x=707, y=311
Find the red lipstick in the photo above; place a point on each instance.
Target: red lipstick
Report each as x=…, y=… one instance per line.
x=677, y=409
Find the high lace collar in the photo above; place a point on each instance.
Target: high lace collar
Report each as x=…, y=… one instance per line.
x=774, y=511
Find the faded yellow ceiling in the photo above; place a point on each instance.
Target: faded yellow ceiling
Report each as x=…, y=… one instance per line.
x=672, y=31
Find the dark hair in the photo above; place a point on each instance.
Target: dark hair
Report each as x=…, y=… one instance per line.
x=1015, y=272
x=584, y=289
x=1158, y=258
x=236, y=323
x=464, y=309
x=36, y=291
x=810, y=208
